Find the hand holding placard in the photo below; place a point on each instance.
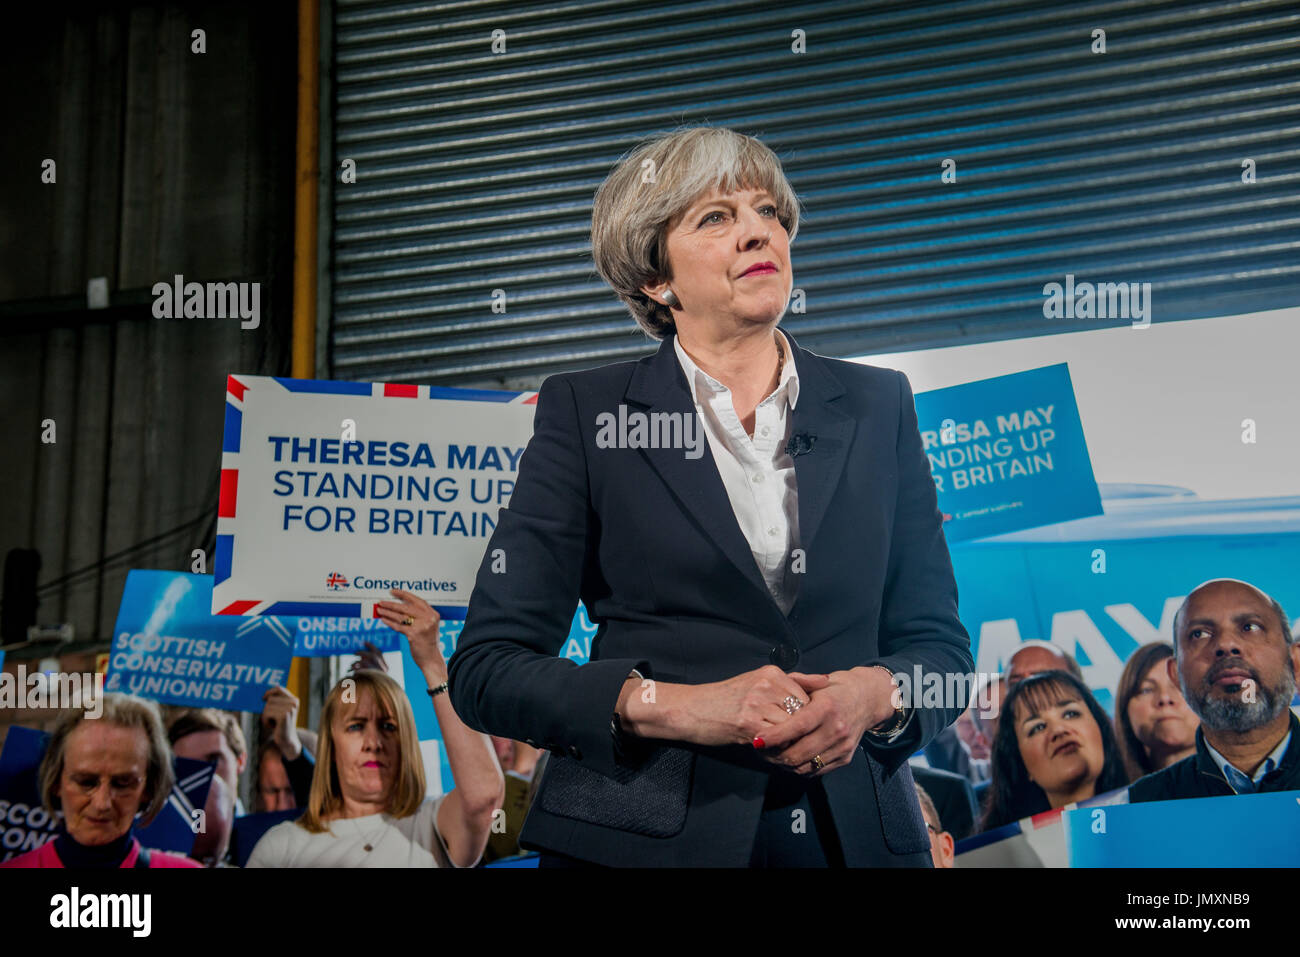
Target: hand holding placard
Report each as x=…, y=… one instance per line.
x=280, y=721
x=415, y=618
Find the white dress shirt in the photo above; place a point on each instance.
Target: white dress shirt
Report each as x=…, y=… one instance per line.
x=757, y=473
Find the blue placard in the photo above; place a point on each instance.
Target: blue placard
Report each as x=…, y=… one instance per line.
x=168, y=646
x=318, y=637
x=529, y=859
x=1007, y=453
x=1243, y=830
x=25, y=825
x=174, y=829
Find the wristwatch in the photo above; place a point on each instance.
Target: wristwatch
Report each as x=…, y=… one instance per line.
x=897, y=723
x=894, y=726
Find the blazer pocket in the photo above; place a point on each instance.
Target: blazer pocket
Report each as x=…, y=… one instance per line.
x=650, y=799
x=900, y=812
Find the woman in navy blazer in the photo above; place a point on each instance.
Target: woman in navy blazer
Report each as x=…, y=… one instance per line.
x=755, y=531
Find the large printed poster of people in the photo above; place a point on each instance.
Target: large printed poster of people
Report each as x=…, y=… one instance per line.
x=333, y=493
x=1198, y=480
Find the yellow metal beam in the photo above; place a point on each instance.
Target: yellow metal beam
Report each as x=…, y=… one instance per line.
x=307, y=173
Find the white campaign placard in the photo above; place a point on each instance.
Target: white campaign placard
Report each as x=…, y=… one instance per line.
x=334, y=492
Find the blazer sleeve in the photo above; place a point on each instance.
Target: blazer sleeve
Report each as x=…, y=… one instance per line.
x=505, y=677
x=919, y=626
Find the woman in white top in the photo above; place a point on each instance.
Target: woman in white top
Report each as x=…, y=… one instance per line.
x=367, y=806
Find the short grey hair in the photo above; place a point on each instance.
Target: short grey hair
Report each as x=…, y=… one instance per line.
x=121, y=711
x=650, y=189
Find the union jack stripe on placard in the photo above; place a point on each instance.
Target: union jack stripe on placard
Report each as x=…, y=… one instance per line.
x=228, y=499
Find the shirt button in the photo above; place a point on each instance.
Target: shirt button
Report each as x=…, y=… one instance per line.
x=766, y=430
x=758, y=477
x=771, y=531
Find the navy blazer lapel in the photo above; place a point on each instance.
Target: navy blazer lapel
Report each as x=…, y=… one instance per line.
x=660, y=386
x=830, y=432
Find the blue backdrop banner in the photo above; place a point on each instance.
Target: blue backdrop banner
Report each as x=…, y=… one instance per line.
x=1241, y=830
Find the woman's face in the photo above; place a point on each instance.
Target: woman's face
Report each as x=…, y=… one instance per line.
x=366, y=751
x=105, y=768
x=1060, y=742
x=1159, y=714
x=730, y=258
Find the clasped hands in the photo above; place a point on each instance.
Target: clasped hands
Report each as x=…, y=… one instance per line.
x=821, y=735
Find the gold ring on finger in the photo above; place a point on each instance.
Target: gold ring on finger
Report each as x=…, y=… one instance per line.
x=408, y=620
x=817, y=762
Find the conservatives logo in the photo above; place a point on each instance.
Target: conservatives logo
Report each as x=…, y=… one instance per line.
x=336, y=581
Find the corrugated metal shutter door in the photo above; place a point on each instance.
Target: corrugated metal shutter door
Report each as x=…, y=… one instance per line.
x=475, y=170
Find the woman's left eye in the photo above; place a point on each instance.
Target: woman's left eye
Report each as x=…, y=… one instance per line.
x=768, y=210
x=1073, y=713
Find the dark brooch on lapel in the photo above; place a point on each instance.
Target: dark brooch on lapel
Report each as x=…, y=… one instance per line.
x=801, y=443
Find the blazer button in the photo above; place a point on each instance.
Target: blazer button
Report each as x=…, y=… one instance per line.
x=574, y=752
x=785, y=656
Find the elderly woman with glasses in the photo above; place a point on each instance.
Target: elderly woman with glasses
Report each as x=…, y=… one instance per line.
x=103, y=773
x=754, y=529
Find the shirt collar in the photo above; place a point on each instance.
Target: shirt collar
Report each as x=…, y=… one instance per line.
x=1230, y=772
x=697, y=378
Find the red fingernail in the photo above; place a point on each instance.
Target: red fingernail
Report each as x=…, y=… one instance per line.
x=758, y=742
